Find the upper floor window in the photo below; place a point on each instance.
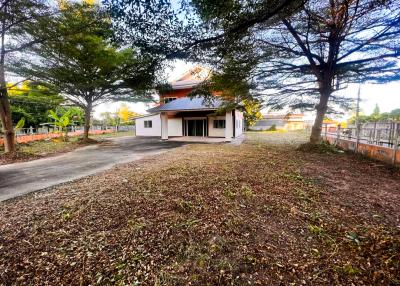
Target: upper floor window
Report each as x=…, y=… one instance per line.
x=219, y=123
x=148, y=124
x=169, y=99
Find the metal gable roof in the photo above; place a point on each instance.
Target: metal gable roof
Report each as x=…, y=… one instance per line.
x=187, y=103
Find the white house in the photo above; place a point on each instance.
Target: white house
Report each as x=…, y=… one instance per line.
x=179, y=115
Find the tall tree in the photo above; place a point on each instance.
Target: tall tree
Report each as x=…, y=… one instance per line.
x=173, y=30
x=21, y=26
x=125, y=114
x=198, y=30
x=33, y=102
x=304, y=60
x=83, y=65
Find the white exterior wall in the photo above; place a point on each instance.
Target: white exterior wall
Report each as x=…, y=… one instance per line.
x=164, y=125
x=238, y=123
x=229, y=126
x=175, y=127
x=215, y=132
x=154, y=131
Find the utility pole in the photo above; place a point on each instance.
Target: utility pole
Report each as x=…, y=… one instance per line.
x=357, y=118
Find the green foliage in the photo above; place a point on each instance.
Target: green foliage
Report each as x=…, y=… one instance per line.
x=110, y=118
x=61, y=122
x=321, y=148
x=376, y=116
x=272, y=128
x=82, y=64
x=317, y=230
x=77, y=115
x=20, y=124
x=252, y=111
x=376, y=111
x=32, y=101
x=302, y=57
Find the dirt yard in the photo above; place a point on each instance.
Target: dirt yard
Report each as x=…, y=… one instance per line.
x=260, y=213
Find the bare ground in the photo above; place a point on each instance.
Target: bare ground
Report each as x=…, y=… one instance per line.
x=260, y=213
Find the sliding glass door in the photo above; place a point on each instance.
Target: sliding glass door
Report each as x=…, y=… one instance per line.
x=195, y=127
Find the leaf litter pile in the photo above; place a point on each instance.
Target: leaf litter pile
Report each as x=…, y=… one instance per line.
x=254, y=214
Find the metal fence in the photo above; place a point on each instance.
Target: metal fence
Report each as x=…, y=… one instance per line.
x=376, y=133
x=384, y=135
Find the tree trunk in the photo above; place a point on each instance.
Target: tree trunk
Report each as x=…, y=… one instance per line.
x=322, y=107
x=5, y=109
x=6, y=121
x=88, y=111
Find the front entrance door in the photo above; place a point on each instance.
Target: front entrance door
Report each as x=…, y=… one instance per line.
x=195, y=127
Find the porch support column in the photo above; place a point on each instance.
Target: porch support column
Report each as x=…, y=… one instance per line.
x=164, y=126
x=228, y=126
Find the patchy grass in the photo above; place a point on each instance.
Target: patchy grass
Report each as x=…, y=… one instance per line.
x=40, y=149
x=212, y=214
x=279, y=138
x=323, y=148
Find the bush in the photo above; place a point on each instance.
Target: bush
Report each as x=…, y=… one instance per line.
x=272, y=128
x=322, y=148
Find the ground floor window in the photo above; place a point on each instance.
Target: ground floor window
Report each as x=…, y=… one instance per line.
x=219, y=123
x=148, y=124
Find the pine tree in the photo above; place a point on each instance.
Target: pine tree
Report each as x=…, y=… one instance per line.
x=84, y=67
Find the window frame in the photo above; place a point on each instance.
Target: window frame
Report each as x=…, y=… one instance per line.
x=219, y=123
x=148, y=123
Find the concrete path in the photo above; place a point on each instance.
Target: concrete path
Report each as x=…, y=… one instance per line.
x=21, y=178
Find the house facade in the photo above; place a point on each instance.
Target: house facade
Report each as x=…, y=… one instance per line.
x=178, y=115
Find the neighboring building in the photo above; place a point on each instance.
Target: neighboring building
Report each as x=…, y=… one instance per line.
x=179, y=115
x=280, y=121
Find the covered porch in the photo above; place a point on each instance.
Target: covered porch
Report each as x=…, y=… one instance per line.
x=197, y=126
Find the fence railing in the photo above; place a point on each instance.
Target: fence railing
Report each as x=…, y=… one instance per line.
x=24, y=135
x=376, y=139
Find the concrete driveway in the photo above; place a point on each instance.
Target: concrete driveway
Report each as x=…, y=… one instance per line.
x=21, y=178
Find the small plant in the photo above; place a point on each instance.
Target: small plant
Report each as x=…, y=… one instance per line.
x=184, y=206
x=202, y=260
x=353, y=237
x=317, y=230
x=321, y=148
x=61, y=122
x=189, y=223
x=66, y=215
x=136, y=225
x=350, y=270
x=272, y=128
x=20, y=125
x=247, y=191
x=229, y=194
